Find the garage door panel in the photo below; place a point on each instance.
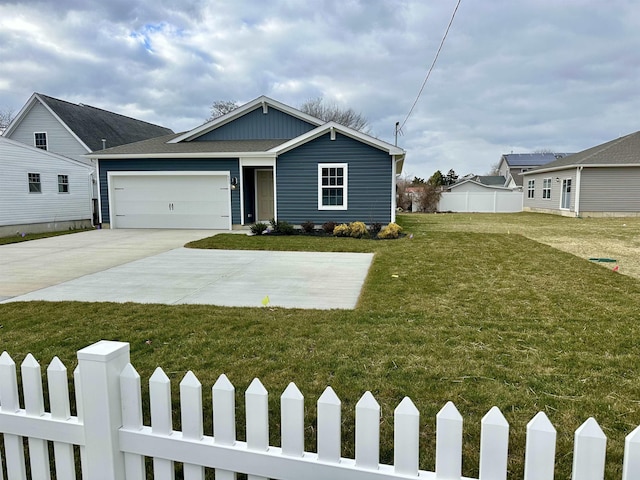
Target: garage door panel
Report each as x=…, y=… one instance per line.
x=171, y=201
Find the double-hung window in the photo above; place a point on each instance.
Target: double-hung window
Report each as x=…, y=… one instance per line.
x=531, y=188
x=34, y=183
x=332, y=186
x=63, y=183
x=40, y=140
x=546, y=188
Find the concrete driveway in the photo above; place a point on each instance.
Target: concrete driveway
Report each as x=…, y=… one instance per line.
x=37, y=264
x=151, y=266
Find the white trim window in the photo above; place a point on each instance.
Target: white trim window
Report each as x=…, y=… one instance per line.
x=546, y=188
x=40, y=140
x=531, y=188
x=34, y=183
x=63, y=183
x=332, y=186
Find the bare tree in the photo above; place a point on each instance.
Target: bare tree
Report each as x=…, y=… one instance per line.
x=221, y=107
x=331, y=112
x=495, y=169
x=6, y=116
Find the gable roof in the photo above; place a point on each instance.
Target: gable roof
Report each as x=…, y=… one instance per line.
x=531, y=159
x=621, y=152
x=495, y=182
x=179, y=145
x=89, y=125
x=261, y=101
x=34, y=152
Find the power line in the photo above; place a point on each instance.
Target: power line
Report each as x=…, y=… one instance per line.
x=432, y=65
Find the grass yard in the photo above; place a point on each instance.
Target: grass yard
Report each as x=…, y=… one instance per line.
x=482, y=312
x=25, y=237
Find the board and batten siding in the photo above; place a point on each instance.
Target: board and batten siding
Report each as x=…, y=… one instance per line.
x=613, y=189
x=59, y=140
x=155, y=165
x=548, y=204
x=257, y=125
x=368, y=189
x=19, y=207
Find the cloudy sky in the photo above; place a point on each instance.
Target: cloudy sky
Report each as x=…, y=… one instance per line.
x=525, y=75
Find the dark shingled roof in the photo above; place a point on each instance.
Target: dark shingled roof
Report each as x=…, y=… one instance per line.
x=531, y=159
x=497, y=180
x=621, y=151
x=160, y=146
x=92, y=124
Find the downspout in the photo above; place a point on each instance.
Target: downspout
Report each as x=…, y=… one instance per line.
x=578, y=179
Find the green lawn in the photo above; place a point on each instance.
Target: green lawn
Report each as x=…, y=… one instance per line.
x=458, y=312
x=25, y=237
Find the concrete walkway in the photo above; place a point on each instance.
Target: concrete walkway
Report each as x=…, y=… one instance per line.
x=150, y=266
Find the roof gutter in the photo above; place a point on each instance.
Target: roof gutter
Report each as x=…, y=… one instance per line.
x=125, y=156
x=570, y=166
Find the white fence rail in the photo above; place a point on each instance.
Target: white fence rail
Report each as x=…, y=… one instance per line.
x=481, y=202
x=113, y=440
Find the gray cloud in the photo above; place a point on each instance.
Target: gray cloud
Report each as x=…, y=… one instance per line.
x=513, y=75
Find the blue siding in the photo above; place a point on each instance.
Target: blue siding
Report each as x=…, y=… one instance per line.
x=188, y=165
x=369, y=182
x=256, y=125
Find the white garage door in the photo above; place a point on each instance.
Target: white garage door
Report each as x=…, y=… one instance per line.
x=175, y=200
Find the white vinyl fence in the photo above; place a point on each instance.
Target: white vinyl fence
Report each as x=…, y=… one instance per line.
x=481, y=202
x=113, y=440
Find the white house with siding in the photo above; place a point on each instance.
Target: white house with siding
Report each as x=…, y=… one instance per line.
x=602, y=181
x=74, y=130
x=42, y=191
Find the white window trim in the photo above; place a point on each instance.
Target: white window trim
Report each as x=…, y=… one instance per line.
x=344, y=187
x=46, y=138
x=29, y=182
x=547, y=181
x=531, y=188
x=67, y=184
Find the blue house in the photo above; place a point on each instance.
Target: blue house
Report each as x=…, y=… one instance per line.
x=261, y=161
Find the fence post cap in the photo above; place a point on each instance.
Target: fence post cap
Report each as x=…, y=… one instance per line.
x=103, y=351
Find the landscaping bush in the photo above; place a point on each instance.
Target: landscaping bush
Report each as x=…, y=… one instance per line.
x=358, y=230
x=328, y=227
x=308, y=226
x=282, y=227
x=342, y=230
x=258, y=228
x=390, y=231
x=374, y=229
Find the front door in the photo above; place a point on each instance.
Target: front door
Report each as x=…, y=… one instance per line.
x=566, y=194
x=264, y=195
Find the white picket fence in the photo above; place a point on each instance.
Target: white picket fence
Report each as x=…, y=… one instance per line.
x=113, y=440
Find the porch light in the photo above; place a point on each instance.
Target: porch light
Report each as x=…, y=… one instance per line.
x=234, y=183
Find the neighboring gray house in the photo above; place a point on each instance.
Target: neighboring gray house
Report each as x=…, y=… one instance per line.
x=511, y=165
x=263, y=160
x=601, y=181
x=42, y=191
x=74, y=130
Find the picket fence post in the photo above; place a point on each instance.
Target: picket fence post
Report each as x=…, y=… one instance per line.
x=100, y=366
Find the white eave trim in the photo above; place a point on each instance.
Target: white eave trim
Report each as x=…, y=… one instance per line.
x=261, y=101
x=333, y=126
x=577, y=165
x=127, y=156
